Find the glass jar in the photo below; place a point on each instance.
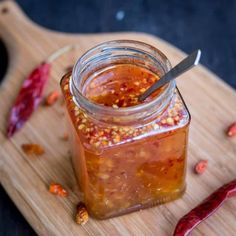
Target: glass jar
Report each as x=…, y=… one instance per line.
x=125, y=158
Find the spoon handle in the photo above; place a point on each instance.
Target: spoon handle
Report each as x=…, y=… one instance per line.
x=183, y=66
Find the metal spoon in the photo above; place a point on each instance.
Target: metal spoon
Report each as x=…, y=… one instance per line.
x=185, y=65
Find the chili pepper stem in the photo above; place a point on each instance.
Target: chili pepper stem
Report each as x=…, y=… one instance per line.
x=59, y=52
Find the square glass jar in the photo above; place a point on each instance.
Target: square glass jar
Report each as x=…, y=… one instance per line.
x=129, y=158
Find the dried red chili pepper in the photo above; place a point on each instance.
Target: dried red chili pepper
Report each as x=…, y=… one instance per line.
x=32, y=148
x=188, y=222
x=231, y=131
x=30, y=94
x=52, y=98
x=28, y=99
x=201, y=166
x=58, y=190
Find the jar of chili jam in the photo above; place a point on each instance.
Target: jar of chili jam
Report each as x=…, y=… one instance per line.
x=127, y=155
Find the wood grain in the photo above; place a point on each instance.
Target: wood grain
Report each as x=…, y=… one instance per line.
x=211, y=103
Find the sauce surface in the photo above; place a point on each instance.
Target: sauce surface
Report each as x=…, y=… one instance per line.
x=120, y=85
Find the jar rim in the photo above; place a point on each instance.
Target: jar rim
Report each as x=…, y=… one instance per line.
x=122, y=110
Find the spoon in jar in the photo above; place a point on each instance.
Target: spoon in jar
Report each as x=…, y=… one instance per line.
x=185, y=65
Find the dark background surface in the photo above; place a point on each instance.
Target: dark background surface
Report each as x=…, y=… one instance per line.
x=209, y=25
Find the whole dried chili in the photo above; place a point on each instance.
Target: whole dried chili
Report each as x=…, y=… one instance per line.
x=188, y=222
x=30, y=94
x=28, y=99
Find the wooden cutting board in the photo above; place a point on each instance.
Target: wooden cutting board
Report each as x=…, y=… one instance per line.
x=212, y=104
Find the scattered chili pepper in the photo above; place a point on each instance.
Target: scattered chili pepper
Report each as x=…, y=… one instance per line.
x=201, y=166
x=32, y=148
x=57, y=189
x=81, y=216
x=231, y=130
x=52, y=98
x=188, y=222
x=30, y=94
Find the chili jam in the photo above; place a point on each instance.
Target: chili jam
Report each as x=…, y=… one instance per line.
x=120, y=86
x=125, y=159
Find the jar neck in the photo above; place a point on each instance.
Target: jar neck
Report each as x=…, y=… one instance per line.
x=116, y=53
